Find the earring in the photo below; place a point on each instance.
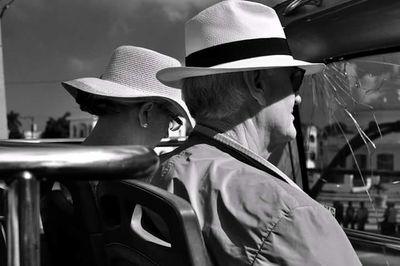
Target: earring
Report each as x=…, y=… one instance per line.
x=145, y=125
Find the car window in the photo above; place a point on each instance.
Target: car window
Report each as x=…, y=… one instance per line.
x=350, y=120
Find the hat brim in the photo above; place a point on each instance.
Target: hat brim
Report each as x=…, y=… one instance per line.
x=173, y=76
x=111, y=89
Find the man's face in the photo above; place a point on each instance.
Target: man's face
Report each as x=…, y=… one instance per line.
x=280, y=98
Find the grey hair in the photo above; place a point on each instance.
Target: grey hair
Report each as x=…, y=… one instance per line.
x=216, y=96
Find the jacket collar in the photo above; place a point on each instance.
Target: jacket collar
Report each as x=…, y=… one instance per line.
x=225, y=139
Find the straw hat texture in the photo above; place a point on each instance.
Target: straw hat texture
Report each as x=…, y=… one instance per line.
x=130, y=75
x=233, y=36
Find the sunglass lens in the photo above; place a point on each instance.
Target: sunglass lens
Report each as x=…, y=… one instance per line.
x=175, y=124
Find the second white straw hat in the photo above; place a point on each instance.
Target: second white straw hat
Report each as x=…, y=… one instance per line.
x=131, y=75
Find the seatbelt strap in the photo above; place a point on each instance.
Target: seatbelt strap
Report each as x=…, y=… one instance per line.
x=199, y=138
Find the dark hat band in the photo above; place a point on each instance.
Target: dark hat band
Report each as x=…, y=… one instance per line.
x=234, y=51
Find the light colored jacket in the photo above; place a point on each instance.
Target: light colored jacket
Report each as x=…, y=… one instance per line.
x=250, y=217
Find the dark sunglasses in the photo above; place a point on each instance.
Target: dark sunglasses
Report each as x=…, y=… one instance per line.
x=175, y=123
x=296, y=78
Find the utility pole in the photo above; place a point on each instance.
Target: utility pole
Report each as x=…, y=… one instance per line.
x=3, y=103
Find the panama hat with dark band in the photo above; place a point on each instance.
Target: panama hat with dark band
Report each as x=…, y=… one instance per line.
x=233, y=36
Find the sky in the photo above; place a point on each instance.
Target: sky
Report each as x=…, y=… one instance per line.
x=49, y=41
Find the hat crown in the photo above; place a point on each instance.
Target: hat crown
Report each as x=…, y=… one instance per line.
x=131, y=74
x=231, y=21
x=234, y=36
x=136, y=67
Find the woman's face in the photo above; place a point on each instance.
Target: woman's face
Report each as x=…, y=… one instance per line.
x=162, y=118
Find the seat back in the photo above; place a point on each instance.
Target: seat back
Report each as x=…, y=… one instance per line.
x=73, y=230
x=127, y=243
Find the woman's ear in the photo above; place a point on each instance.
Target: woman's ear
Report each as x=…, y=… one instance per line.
x=255, y=86
x=144, y=114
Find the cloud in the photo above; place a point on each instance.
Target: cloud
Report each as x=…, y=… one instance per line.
x=119, y=27
x=178, y=10
x=60, y=40
x=49, y=33
x=175, y=10
x=79, y=65
x=181, y=10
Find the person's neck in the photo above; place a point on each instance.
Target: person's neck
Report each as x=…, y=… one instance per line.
x=113, y=130
x=249, y=133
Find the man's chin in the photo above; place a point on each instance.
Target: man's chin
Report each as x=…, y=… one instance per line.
x=290, y=135
x=283, y=138
x=293, y=135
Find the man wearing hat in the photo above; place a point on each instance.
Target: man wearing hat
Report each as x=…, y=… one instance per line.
x=240, y=84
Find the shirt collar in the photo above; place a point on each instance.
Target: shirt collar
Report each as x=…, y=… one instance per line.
x=225, y=139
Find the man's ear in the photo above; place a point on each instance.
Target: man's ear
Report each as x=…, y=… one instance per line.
x=255, y=85
x=144, y=114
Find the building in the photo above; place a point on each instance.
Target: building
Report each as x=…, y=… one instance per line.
x=33, y=133
x=81, y=126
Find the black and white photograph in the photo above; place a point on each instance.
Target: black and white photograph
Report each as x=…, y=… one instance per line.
x=199, y=133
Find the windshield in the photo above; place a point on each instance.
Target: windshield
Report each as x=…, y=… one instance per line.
x=350, y=120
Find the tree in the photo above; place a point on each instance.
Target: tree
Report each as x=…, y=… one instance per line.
x=14, y=125
x=57, y=128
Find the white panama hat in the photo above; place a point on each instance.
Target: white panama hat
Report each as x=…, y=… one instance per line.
x=131, y=75
x=233, y=36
